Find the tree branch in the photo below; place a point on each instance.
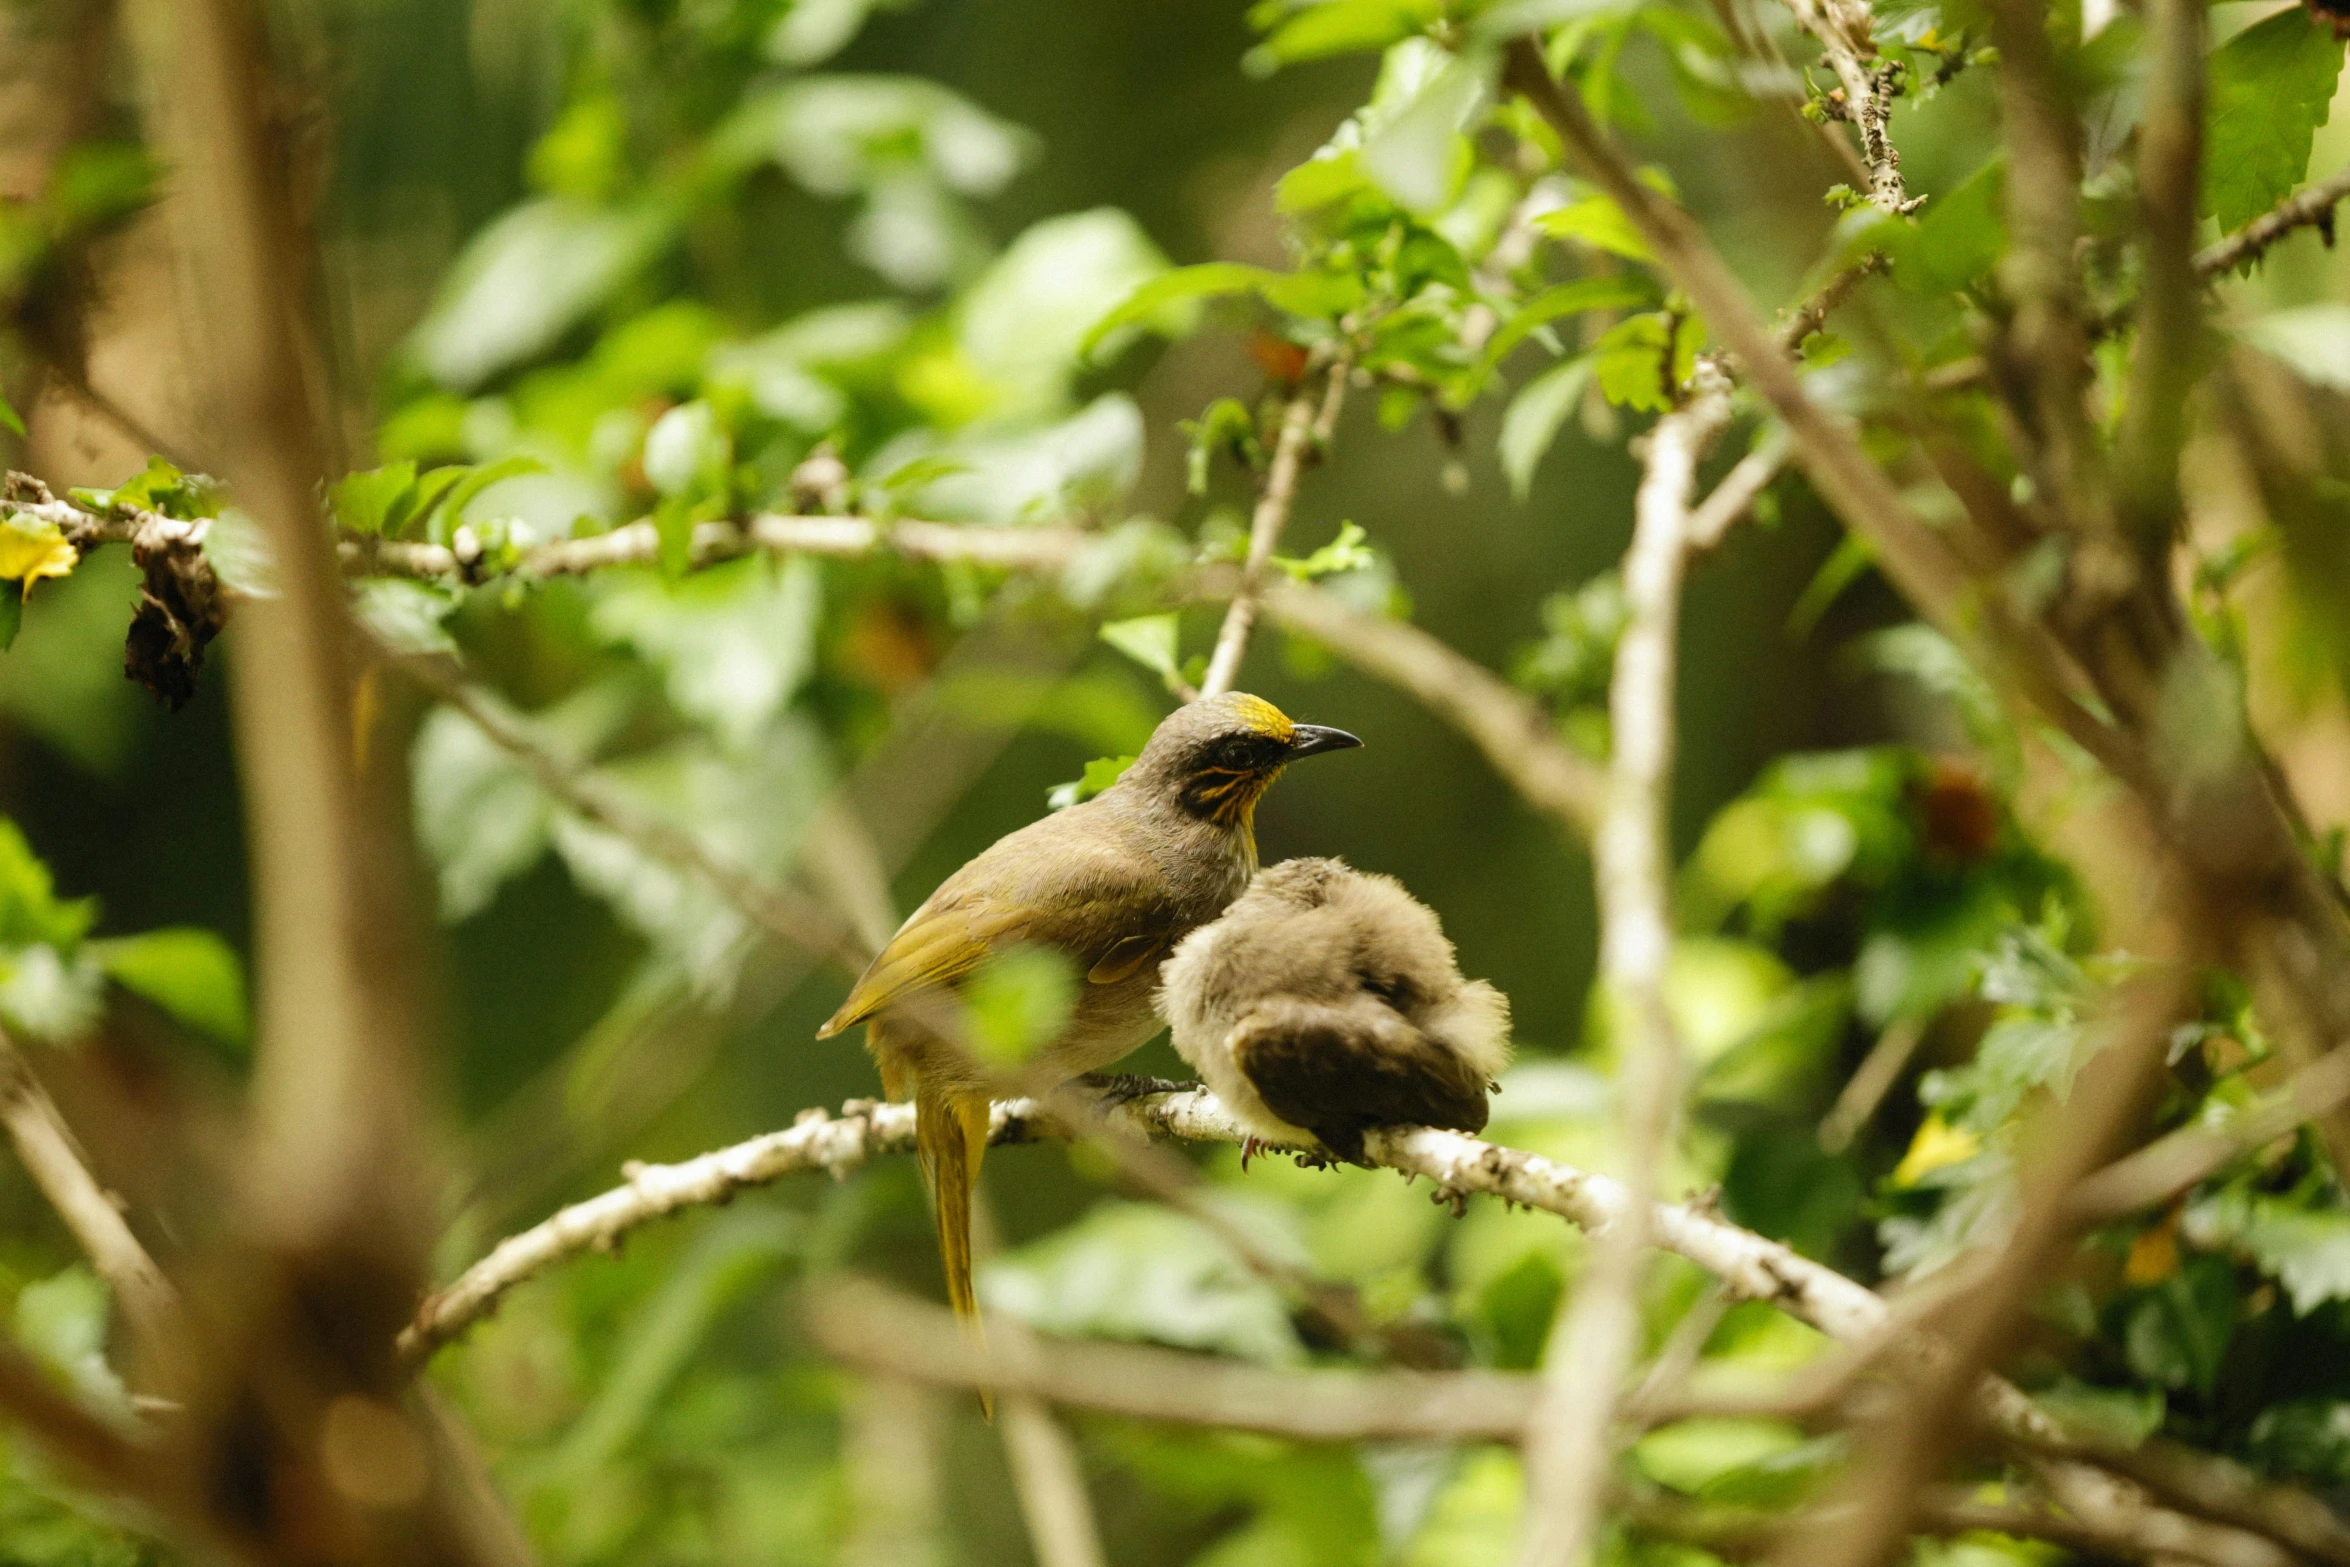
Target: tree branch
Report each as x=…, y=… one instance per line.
x=1512, y=730
x=880, y=1329
x=51, y=1157
x=784, y=912
x=2313, y=208
x=1304, y=423
x=1847, y=37
x=1570, y=1441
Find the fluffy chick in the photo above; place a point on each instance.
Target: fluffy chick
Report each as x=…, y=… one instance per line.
x=1327, y=1001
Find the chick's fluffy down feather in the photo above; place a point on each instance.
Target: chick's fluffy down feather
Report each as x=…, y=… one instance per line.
x=1327, y=1001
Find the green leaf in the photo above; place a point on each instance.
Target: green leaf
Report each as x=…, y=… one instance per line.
x=1141, y=1272
x=1960, y=237
x=478, y=479
x=10, y=420
x=528, y=278
x=1598, y=222
x=734, y=643
x=1347, y=552
x=1630, y=360
x=191, y=973
x=2123, y=1416
x=11, y=613
x=415, y=506
x=30, y=910
x=1018, y=1002
x=2307, y=1250
x=2269, y=89
x=1617, y=291
x=1517, y=1307
x=1099, y=774
x=62, y=1320
x=1029, y=322
x=2307, y=1437
x=1153, y=641
x=1226, y=422
x=1534, y=417
x=1167, y=303
x=1319, y=28
x=363, y=501
x=2177, y=1333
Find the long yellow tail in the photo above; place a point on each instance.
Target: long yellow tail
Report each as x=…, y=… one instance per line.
x=950, y=1131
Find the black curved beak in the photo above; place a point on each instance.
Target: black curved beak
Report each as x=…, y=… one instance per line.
x=1314, y=739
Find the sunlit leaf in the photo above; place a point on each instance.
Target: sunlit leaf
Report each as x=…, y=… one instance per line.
x=2268, y=90
x=1535, y=416
x=1153, y=641
x=32, y=548
x=191, y=973
x=1099, y=774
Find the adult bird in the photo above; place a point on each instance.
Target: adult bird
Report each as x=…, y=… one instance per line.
x=1113, y=884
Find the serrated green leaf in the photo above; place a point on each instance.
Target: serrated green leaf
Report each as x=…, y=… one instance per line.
x=2268, y=90
x=191, y=973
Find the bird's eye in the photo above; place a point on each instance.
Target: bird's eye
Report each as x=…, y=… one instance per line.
x=1235, y=752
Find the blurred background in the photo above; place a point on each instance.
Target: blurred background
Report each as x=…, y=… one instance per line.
x=537, y=230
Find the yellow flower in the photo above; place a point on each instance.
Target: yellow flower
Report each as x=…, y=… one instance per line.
x=31, y=549
x=1937, y=1145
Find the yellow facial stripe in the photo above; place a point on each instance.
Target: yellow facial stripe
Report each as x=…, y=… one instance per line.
x=1265, y=718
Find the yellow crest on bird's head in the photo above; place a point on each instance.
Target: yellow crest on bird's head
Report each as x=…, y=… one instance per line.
x=1261, y=716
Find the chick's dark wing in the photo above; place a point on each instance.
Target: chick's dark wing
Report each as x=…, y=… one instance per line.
x=1336, y=1069
x=1085, y=893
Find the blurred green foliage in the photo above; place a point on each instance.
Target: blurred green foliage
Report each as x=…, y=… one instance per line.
x=811, y=256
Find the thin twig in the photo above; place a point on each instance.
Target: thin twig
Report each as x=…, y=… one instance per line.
x=1570, y=1441
x=1867, y=1087
x=784, y=912
x=1305, y=421
x=1846, y=33
x=2313, y=208
x=55, y=1163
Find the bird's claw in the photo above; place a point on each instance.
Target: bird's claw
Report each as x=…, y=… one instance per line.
x=1113, y=1089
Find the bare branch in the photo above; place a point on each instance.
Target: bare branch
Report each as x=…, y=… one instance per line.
x=1571, y=1439
x=1846, y=33
x=2312, y=208
x=1304, y=422
x=1051, y=1482
x=2163, y=369
x=55, y=1163
x=2173, y=1163
x=867, y=1325
x=1867, y=1087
